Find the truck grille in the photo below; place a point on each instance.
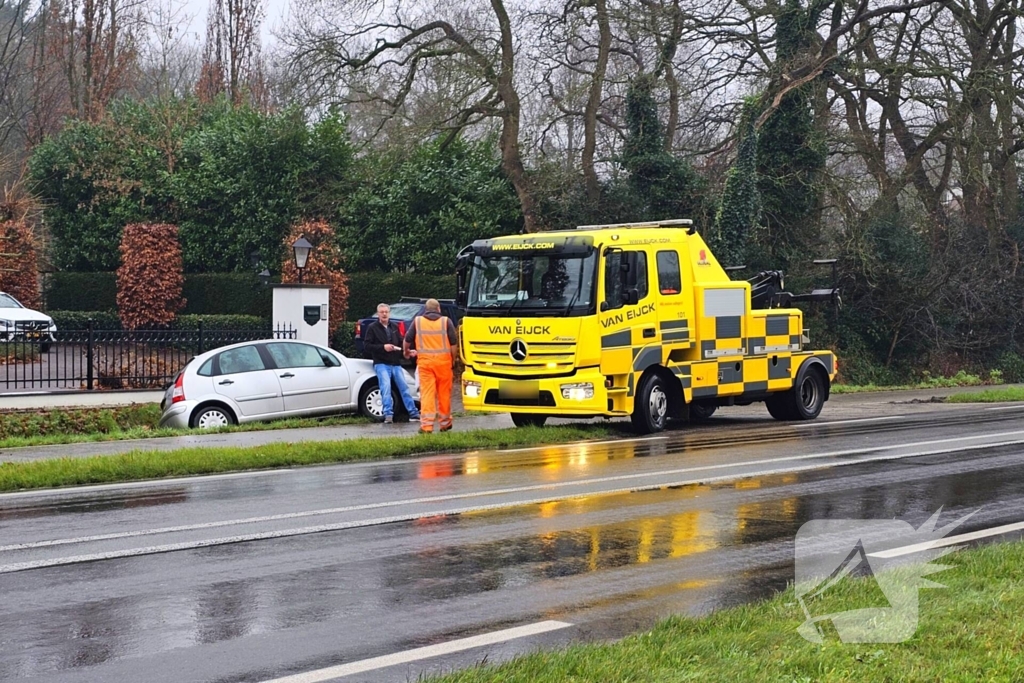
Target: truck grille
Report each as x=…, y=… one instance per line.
x=543, y=358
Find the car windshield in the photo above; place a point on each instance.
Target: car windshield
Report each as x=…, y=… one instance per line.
x=537, y=284
x=404, y=311
x=8, y=301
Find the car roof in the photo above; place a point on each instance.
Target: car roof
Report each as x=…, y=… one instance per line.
x=205, y=355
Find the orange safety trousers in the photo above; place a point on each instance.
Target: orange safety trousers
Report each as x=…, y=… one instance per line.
x=434, y=360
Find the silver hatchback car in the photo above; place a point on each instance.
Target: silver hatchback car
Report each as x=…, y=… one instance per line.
x=268, y=380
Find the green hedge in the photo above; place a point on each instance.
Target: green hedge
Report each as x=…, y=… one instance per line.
x=241, y=293
x=105, y=320
x=80, y=292
x=344, y=340
x=222, y=322
x=366, y=290
x=79, y=320
x=226, y=294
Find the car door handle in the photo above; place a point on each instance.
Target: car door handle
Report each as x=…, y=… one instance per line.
x=649, y=332
x=226, y=381
x=287, y=374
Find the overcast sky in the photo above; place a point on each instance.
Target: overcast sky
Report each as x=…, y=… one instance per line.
x=275, y=15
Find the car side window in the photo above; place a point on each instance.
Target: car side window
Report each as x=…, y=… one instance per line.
x=207, y=369
x=242, y=359
x=328, y=358
x=295, y=355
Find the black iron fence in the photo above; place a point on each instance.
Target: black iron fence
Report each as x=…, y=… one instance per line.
x=110, y=359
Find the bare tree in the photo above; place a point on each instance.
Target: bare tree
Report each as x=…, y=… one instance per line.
x=231, y=57
x=353, y=41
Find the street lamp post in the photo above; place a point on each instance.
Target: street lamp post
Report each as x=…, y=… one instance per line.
x=301, y=247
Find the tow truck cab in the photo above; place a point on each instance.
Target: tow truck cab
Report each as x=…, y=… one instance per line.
x=635, y=320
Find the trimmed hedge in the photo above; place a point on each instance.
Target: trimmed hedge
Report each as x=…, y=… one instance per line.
x=226, y=294
x=79, y=320
x=241, y=293
x=105, y=320
x=80, y=292
x=366, y=290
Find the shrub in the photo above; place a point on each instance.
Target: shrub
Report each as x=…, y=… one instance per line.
x=81, y=292
x=1012, y=367
x=322, y=268
x=19, y=271
x=344, y=340
x=222, y=322
x=150, y=279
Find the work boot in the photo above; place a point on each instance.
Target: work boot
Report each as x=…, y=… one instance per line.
x=446, y=429
x=388, y=419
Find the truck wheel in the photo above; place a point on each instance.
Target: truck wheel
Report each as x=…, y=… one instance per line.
x=809, y=394
x=702, y=412
x=528, y=420
x=650, y=408
x=804, y=401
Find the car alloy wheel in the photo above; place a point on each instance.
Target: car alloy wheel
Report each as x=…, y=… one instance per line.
x=211, y=418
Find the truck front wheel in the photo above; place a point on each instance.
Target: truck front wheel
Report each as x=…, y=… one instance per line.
x=650, y=408
x=528, y=420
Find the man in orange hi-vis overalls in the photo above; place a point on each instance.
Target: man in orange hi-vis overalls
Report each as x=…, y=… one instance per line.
x=433, y=341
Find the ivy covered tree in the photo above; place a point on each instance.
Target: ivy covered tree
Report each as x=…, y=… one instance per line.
x=739, y=212
x=664, y=186
x=416, y=210
x=791, y=153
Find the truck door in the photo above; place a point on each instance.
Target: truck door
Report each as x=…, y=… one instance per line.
x=675, y=306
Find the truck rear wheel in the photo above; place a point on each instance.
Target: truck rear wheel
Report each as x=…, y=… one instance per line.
x=650, y=407
x=528, y=420
x=805, y=400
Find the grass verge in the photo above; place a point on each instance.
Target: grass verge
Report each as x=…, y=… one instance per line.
x=969, y=631
x=989, y=396
x=54, y=427
x=138, y=465
x=960, y=379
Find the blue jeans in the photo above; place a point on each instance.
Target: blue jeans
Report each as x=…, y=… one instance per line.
x=385, y=375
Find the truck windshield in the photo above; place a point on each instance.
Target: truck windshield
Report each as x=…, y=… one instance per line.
x=533, y=284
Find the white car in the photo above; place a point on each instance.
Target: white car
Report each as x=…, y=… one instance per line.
x=18, y=323
x=268, y=380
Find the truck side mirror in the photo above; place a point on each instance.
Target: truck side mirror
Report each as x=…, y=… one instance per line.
x=461, y=270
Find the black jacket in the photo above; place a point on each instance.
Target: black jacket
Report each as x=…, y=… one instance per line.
x=376, y=336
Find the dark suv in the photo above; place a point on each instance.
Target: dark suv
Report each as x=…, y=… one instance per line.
x=403, y=313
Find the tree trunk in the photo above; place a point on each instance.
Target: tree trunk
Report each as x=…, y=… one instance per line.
x=594, y=102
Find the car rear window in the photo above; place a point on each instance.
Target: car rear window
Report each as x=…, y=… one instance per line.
x=405, y=311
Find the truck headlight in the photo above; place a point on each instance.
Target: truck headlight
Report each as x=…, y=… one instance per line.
x=579, y=391
x=470, y=388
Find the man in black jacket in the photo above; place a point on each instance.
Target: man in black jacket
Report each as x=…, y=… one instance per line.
x=384, y=342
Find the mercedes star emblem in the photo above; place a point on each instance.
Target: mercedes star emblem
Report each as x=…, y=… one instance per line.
x=517, y=349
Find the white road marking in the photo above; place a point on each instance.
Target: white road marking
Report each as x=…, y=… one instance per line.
x=340, y=526
x=1017, y=406
x=581, y=443
x=177, y=481
x=814, y=423
x=948, y=541
x=427, y=652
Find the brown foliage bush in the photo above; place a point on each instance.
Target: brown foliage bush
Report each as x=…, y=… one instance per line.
x=150, y=278
x=19, y=270
x=322, y=268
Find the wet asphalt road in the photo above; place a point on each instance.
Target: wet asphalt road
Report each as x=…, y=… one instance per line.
x=253, y=577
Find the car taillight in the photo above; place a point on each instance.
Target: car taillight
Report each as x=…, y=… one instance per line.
x=359, y=329
x=178, y=394
x=401, y=328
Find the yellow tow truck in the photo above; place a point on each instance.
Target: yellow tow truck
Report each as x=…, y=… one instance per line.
x=635, y=319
